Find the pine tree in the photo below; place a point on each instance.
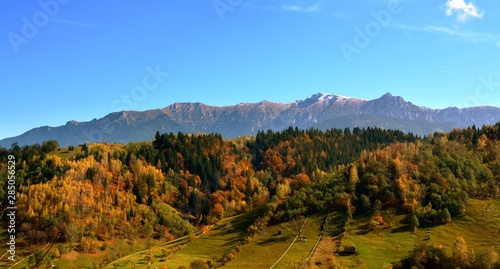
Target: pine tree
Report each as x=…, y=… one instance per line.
x=414, y=223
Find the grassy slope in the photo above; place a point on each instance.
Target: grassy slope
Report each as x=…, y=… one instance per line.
x=137, y=259
x=74, y=259
x=393, y=244
x=379, y=246
x=478, y=228
x=265, y=249
x=221, y=239
x=300, y=250
x=387, y=245
x=268, y=246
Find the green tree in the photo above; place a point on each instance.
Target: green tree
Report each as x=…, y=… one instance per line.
x=33, y=259
x=365, y=202
x=198, y=264
x=50, y=145
x=85, y=149
x=444, y=216
x=414, y=223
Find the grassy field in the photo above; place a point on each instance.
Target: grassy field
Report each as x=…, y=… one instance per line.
x=300, y=250
x=388, y=244
x=392, y=244
x=221, y=239
x=74, y=259
x=377, y=247
x=265, y=249
x=478, y=227
x=137, y=259
x=269, y=245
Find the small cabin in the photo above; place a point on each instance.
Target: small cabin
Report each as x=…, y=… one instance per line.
x=349, y=250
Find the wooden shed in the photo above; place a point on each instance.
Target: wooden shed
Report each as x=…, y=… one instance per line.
x=349, y=250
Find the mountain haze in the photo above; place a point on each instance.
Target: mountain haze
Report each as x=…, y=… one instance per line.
x=321, y=111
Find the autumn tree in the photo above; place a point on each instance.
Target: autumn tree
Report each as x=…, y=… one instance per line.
x=462, y=256
x=353, y=178
x=148, y=258
x=429, y=256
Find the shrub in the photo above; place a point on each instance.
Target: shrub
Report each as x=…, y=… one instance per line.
x=198, y=264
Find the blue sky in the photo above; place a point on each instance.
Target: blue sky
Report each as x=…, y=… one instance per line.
x=78, y=60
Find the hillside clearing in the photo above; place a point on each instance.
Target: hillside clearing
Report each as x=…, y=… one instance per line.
x=269, y=245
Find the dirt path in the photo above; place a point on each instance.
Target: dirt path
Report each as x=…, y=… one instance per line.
x=324, y=251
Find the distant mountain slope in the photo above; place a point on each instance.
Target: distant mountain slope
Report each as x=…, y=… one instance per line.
x=321, y=111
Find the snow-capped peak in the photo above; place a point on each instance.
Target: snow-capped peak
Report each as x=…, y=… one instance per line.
x=324, y=96
x=337, y=97
x=344, y=97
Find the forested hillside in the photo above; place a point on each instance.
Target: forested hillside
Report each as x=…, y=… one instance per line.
x=179, y=184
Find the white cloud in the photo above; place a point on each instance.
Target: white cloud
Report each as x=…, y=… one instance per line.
x=465, y=35
x=312, y=8
x=463, y=10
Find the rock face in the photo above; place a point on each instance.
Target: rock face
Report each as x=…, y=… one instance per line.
x=320, y=111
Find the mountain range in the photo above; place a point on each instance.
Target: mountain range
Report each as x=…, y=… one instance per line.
x=322, y=111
